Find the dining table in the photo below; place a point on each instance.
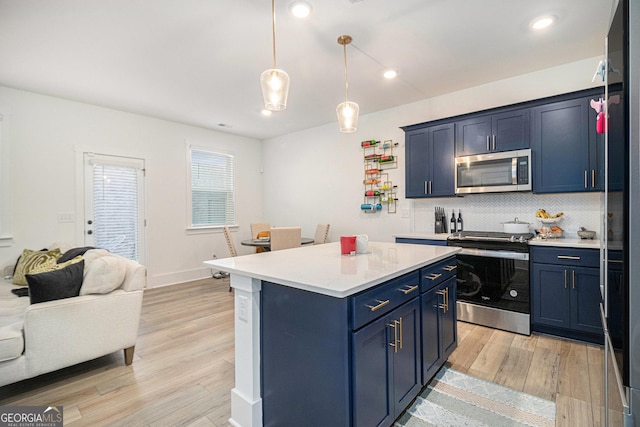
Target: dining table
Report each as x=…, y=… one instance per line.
x=266, y=243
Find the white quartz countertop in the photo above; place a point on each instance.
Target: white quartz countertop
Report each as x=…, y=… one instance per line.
x=567, y=243
x=562, y=242
x=322, y=269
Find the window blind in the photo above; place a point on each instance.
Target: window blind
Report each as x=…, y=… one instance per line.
x=115, y=205
x=212, y=188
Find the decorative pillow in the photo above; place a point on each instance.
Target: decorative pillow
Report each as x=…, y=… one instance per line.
x=104, y=274
x=73, y=252
x=57, y=284
x=51, y=265
x=31, y=259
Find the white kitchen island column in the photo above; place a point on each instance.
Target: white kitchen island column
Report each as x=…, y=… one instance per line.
x=246, y=403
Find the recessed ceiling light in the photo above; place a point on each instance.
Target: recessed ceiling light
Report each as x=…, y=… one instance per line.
x=266, y=112
x=390, y=74
x=300, y=9
x=542, y=22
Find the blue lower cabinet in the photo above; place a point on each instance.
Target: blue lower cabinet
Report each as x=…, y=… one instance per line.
x=386, y=366
x=439, y=328
x=354, y=361
x=565, y=294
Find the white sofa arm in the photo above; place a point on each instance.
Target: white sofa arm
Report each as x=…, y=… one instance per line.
x=69, y=331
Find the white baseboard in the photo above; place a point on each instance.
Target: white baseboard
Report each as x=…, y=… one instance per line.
x=166, y=279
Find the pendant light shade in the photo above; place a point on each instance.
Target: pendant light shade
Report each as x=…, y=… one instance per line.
x=347, y=111
x=274, y=82
x=275, y=89
x=348, y=116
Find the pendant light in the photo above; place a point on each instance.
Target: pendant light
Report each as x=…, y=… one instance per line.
x=347, y=111
x=274, y=82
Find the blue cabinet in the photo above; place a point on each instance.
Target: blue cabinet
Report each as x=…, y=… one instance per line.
x=386, y=361
x=616, y=141
x=568, y=154
x=439, y=328
x=565, y=292
x=429, y=165
x=504, y=131
x=354, y=361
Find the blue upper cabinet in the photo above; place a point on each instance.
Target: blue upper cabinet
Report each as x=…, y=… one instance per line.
x=616, y=141
x=429, y=165
x=567, y=151
x=505, y=131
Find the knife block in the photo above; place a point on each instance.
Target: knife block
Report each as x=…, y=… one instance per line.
x=440, y=227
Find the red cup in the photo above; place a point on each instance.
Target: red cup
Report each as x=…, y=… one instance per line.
x=347, y=245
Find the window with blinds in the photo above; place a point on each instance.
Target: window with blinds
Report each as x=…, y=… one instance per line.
x=212, y=188
x=115, y=209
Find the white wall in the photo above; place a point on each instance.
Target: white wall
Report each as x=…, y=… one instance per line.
x=41, y=138
x=316, y=175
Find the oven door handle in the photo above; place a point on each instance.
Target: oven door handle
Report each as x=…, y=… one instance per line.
x=494, y=254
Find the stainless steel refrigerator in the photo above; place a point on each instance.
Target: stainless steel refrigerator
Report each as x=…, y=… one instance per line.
x=620, y=227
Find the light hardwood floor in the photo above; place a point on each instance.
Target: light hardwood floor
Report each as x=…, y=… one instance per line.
x=183, y=369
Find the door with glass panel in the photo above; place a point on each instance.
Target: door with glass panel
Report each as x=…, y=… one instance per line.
x=114, y=204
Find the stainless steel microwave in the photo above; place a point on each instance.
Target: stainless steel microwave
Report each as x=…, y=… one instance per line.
x=493, y=172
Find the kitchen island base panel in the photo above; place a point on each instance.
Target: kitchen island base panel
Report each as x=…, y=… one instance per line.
x=246, y=400
x=488, y=316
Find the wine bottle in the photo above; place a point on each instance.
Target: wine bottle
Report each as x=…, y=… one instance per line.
x=369, y=143
x=460, y=220
x=372, y=193
x=453, y=222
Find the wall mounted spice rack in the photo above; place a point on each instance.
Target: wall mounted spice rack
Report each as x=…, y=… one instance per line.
x=378, y=188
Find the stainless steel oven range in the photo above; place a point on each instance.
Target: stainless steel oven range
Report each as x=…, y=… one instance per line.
x=493, y=279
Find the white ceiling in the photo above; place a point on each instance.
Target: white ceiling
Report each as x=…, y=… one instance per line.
x=199, y=61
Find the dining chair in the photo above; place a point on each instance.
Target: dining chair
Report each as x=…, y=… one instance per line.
x=285, y=237
x=258, y=229
x=230, y=245
x=322, y=232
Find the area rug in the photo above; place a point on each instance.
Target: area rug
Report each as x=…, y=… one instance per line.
x=456, y=399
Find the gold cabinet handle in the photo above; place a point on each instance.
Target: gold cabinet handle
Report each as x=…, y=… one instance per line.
x=433, y=276
x=593, y=178
x=401, y=333
x=380, y=305
x=443, y=306
x=409, y=289
x=397, y=343
x=446, y=294
x=450, y=267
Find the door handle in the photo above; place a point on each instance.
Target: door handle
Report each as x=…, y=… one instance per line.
x=488, y=148
x=593, y=178
x=573, y=279
x=586, y=185
x=565, y=279
x=494, y=143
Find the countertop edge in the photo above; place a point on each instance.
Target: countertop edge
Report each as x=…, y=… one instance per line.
x=330, y=292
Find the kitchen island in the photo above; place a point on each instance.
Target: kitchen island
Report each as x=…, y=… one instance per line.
x=304, y=319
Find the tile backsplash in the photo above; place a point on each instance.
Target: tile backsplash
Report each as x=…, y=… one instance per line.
x=487, y=212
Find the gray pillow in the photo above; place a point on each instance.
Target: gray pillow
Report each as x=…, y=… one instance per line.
x=56, y=284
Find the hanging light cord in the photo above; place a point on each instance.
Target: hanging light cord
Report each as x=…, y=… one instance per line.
x=273, y=30
x=346, y=81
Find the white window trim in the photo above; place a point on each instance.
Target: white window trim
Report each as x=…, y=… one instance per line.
x=6, y=239
x=205, y=229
